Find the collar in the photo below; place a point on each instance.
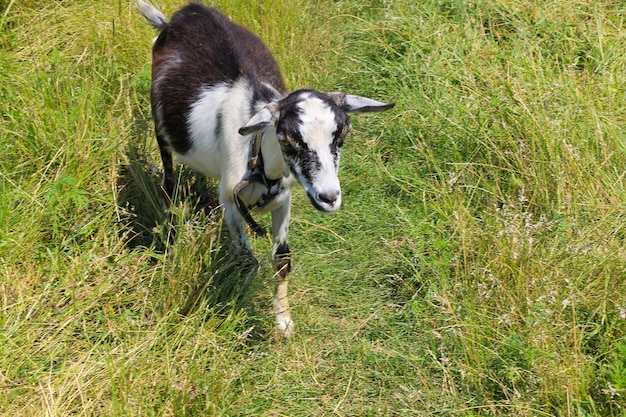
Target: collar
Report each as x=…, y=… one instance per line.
x=256, y=175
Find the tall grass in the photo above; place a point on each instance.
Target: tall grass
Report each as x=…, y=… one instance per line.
x=512, y=154
x=477, y=266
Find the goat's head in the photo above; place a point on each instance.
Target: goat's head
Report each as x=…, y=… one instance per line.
x=310, y=128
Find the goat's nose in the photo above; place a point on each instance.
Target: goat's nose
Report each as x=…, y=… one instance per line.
x=329, y=197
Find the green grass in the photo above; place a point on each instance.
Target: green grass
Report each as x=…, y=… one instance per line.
x=477, y=267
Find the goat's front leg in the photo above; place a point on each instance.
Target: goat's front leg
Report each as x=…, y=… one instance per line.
x=234, y=221
x=281, y=262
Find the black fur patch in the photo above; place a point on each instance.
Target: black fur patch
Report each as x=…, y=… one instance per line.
x=282, y=260
x=200, y=48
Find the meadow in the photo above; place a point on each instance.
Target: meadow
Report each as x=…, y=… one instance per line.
x=477, y=266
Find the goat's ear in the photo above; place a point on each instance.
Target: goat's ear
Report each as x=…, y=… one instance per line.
x=263, y=118
x=358, y=104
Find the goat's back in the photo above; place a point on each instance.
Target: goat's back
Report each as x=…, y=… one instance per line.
x=212, y=49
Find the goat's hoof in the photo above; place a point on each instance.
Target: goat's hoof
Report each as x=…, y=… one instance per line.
x=240, y=251
x=248, y=258
x=206, y=200
x=250, y=264
x=285, y=326
x=245, y=257
x=165, y=201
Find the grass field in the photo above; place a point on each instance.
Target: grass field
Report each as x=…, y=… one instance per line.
x=476, y=268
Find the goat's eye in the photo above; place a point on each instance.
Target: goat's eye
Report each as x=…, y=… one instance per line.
x=283, y=141
x=339, y=142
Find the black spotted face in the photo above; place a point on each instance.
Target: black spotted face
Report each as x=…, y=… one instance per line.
x=311, y=131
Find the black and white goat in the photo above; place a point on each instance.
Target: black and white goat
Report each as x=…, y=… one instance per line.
x=220, y=104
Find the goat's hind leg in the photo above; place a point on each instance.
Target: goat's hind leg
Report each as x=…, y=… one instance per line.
x=281, y=261
x=167, y=190
x=166, y=194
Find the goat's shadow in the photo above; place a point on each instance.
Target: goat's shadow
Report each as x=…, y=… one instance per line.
x=227, y=282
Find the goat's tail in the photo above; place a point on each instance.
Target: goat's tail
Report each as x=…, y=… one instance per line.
x=152, y=14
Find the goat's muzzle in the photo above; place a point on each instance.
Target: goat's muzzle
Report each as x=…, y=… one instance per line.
x=326, y=201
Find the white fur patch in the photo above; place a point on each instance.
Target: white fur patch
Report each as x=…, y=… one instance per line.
x=203, y=122
x=219, y=151
x=318, y=123
x=218, y=110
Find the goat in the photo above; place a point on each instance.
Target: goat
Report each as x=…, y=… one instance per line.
x=220, y=105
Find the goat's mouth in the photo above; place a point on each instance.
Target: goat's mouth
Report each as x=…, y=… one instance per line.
x=325, y=202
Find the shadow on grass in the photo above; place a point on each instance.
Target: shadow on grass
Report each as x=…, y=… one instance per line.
x=140, y=211
x=230, y=285
x=225, y=282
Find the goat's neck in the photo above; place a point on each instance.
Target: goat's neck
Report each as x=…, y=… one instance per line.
x=273, y=161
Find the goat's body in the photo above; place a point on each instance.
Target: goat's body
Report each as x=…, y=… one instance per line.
x=209, y=77
x=215, y=85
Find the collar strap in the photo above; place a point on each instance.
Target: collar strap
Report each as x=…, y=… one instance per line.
x=255, y=175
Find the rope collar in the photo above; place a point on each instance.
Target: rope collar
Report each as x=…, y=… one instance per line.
x=256, y=175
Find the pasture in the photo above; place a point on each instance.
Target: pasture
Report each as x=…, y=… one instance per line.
x=477, y=266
